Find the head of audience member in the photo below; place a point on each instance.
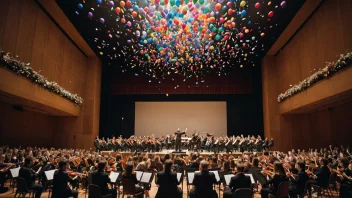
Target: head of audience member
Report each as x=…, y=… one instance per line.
x=203, y=165
x=279, y=169
x=101, y=166
x=300, y=166
x=63, y=165
x=168, y=165
x=240, y=167
x=324, y=162
x=29, y=161
x=247, y=166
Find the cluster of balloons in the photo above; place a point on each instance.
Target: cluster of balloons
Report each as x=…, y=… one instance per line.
x=188, y=37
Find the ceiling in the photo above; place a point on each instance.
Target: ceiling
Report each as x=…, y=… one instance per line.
x=162, y=38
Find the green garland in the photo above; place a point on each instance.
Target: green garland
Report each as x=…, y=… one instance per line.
x=24, y=69
x=329, y=70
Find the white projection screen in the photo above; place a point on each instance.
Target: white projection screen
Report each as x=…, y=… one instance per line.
x=163, y=118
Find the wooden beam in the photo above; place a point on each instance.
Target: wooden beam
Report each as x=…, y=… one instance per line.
x=59, y=16
x=298, y=20
x=18, y=90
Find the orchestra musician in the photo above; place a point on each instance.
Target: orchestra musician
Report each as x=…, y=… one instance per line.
x=101, y=179
x=29, y=176
x=298, y=181
x=60, y=183
x=345, y=178
x=203, y=183
x=238, y=181
x=277, y=177
x=321, y=177
x=129, y=174
x=256, y=172
x=178, y=139
x=168, y=183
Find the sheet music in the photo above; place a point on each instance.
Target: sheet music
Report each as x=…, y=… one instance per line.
x=190, y=177
x=139, y=175
x=228, y=179
x=251, y=176
x=14, y=172
x=40, y=168
x=113, y=176
x=216, y=173
x=50, y=174
x=179, y=177
x=146, y=177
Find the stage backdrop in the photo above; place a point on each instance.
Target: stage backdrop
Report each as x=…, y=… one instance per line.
x=163, y=118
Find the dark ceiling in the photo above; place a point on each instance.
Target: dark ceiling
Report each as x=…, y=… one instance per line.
x=168, y=41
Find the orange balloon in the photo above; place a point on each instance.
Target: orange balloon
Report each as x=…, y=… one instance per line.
x=122, y=3
x=134, y=14
x=123, y=20
x=218, y=6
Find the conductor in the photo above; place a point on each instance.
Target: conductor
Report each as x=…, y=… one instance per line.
x=178, y=139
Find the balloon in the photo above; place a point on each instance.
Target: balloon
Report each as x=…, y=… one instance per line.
x=195, y=1
x=243, y=3
x=146, y=9
x=253, y=38
x=241, y=35
x=230, y=11
x=128, y=3
x=271, y=14
x=172, y=2
x=283, y=4
x=123, y=20
x=184, y=11
x=217, y=37
x=80, y=6
x=224, y=8
x=99, y=1
x=118, y=10
x=262, y=34
x=201, y=2
x=102, y=20
x=138, y=33
x=111, y=3
x=122, y=4
x=206, y=9
x=229, y=4
x=246, y=31
x=243, y=13
x=90, y=15
x=129, y=23
x=178, y=3
x=134, y=14
x=218, y=6
x=257, y=5
x=135, y=7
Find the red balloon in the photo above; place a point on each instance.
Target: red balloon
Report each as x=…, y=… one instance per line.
x=271, y=14
x=230, y=11
x=123, y=20
x=218, y=6
x=257, y=5
x=128, y=3
x=146, y=9
x=118, y=10
x=228, y=4
x=241, y=35
x=134, y=14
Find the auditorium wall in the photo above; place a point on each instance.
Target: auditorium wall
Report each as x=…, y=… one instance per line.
x=27, y=31
x=322, y=38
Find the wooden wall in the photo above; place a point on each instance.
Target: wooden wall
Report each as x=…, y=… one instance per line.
x=322, y=38
x=26, y=31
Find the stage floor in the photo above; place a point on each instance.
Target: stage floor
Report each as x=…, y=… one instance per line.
x=164, y=152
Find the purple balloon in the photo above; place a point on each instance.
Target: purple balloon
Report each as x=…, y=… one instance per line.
x=102, y=20
x=111, y=3
x=283, y=4
x=90, y=15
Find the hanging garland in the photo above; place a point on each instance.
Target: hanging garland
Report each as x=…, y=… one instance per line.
x=24, y=69
x=329, y=70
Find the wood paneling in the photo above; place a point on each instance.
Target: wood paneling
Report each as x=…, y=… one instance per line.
x=323, y=37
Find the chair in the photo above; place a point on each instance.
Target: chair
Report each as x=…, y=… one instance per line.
x=243, y=193
x=129, y=188
x=321, y=190
x=282, y=190
x=21, y=188
x=94, y=192
x=332, y=183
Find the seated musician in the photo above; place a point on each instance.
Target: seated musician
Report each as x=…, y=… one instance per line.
x=203, y=183
x=345, y=178
x=129, y=174
x=321, y=177
x=101, y=179
x=238, y=181
x=29, y=176
x=256, y=172
x=60, y=183
x=278, y=177
x=298, y=182
x=168, y=183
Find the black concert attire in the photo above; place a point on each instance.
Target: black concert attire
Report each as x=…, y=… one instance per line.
x=323, y=177
x=168, y=185
x=257, y=175
x=134, y=179
x=275, y=181
x=298, y=184
x=178, y=140
x=203, y=185
x=27, y=174
x=265, y=144
x=271, y=144
x=346, y=185
x=236, y=182
x=101, y=179
x=60, y=185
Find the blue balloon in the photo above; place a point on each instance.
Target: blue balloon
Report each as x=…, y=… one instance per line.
x=243, y=13
x=80, y=6
x=178, y=3
x=149, y=40
x=99, y=1
x=170, y=15
x=135, y=7
x=224, y=8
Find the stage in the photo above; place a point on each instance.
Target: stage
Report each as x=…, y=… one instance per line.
x=164, y=152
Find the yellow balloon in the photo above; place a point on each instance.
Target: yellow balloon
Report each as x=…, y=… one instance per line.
x=243, y=3
x=246, y=31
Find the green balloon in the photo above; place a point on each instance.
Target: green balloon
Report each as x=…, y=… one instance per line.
x=162, y=2
x=206, y=9
x=172, y=2
x=200, y=28
x=214, y=29
x=217, y=37
x=221, y=29
x=186, y=1
x=195, y=1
